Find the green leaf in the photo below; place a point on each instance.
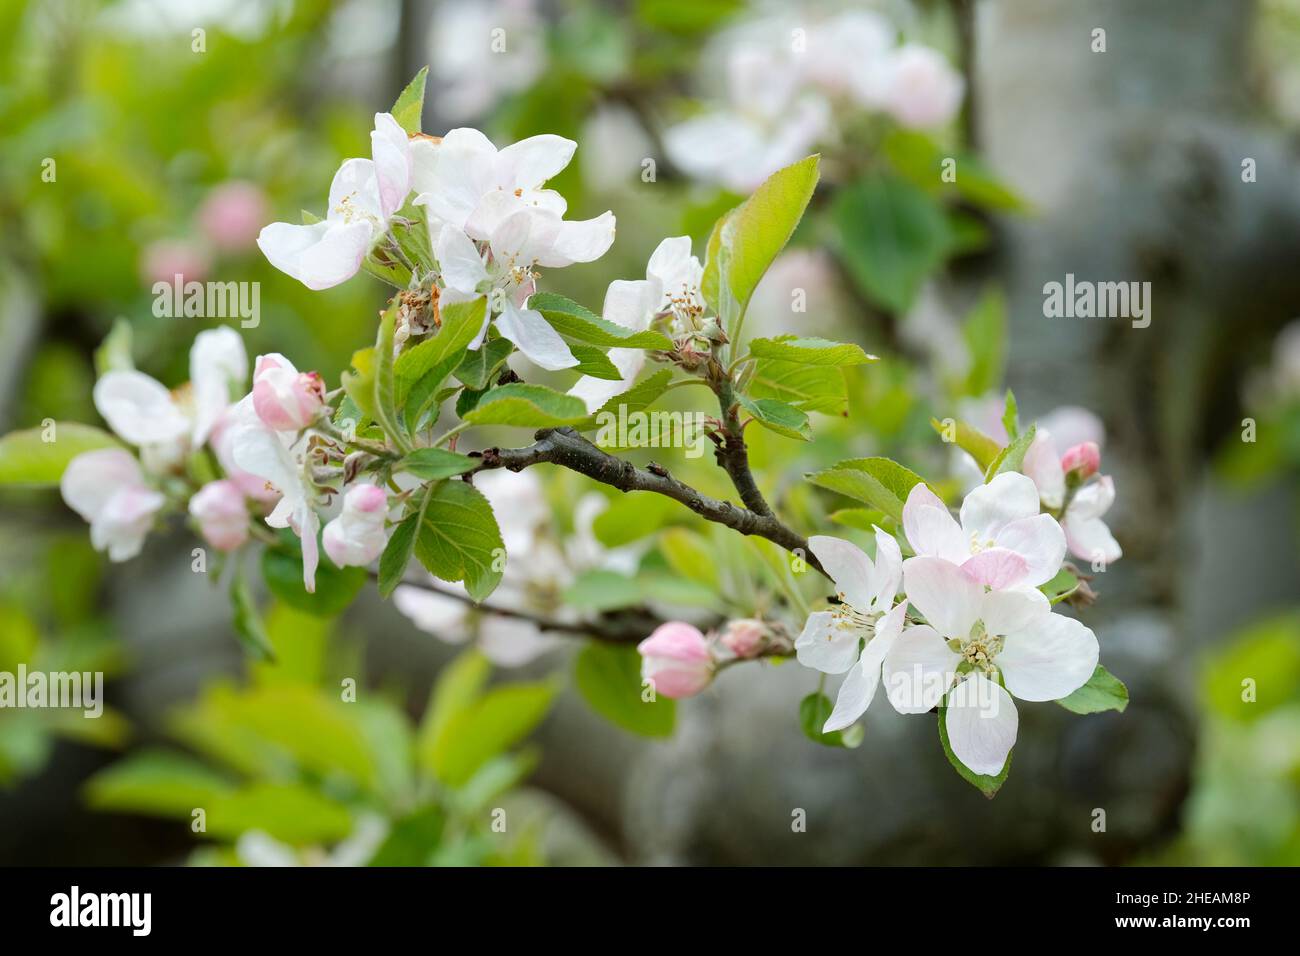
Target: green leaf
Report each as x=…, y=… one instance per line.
x=573, y=321
x=880, y=482
x=359, y=382
x=636, y=399
x=985, y=335
x=1104, y=691
x=919, y=158
x=689, y=554
x=457, y=538
x=410, y=104
x=1011, y=416
x=754, y=233
x=336, y=588
x=527, y=406
x=811, y=388
x=457, y=687
x=158, y=783
x=27, y=459
x=1011, y=457
x=609, y=678
x=385, y=399
x=1061, y=586
x=419, y=372
x=490, y=726
x=864, y=519
x=778, y=416
x=290, y=812
x=114, y=353
x=984, y=783
x=810, y=351
x=891, y=236
x=601, y=590
x=970, y=440
x=594, y=362
x=814, y=711
x=478, y=366
x=434, y=463
x=401, y=545
x=246, y=620
x=632, y=516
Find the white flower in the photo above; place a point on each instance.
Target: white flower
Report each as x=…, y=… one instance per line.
x=977, y=638
x=107, y=489
x=849, y=55
x=1086, y=534
x=356, y=536
x=923, y=90
x=471, y=71
x=1002, y=540
x=218, y=372
x=363, y=196
x=275, y=457
x=866, y=611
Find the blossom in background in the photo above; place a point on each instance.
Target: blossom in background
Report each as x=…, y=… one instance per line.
x=165, y=259
x=676, y=660
x=221, y=513
x=357, y=536
x=232, y=214
x=865, y=611
x=618, y=144
x=363, y=196
x=480, y=50
x=922, y=90
x=218, y=373
x=745, y=637
x=108, y=490
x=1002, y=539
x=975, y=638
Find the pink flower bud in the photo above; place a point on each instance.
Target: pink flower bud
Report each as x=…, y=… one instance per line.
x=232, y=215
x=1084, y=458
x=356, y=537
x=219, y=509
x=676, y=660
x=745, y=637
x=284, y=398
x=164, y=260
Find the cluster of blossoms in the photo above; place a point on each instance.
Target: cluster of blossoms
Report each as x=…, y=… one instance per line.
x=786, y=80
x=972, y=630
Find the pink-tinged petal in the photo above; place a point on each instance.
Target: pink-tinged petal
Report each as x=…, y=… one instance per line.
x=391, y=150
x=676, y=660
x=595, y=392
x=1040, y=541
x=532, y=161
x=218, y=369
x=1015, y=609
x=583, y=241
x=982, y=722
x=1072, y=425
x=139, y=408
x=919, y=668
x=848, y=566
x=825, y=647
x=321, y=255
x=1083, y=458
x=988, y=509
x=888, y=570
x=307, y=526
x=93, y=477
x=120, y=529
x=949, y=599
x=459, y=259
x=533, y=335
x=1051, y=658
x=1090, y=540
x=930, y=529
x=996, y=568
x=1042, y=465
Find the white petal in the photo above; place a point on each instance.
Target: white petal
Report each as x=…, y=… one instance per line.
x=391, y=149
x=433, y=613
x=990, y=508
x=584, y=241
x=996, y=568
x=855, y=694
x=918, y=669
x=949, y=600
x=93, y=477
x=532, y=161
x=460, y=261
x=523, y=237
x=1094, y=499
x=930, y=529
x=260, y=451
x=848, y=566
x=597, y=391
x=354, y=194
x=218, y=368
x=1050, y=659
x=307, y=526
x=1005, y=612
x=139, y=408
x=321, y=255
x=1043, y=466
x=1040, y=541
x=1090, y=540
x=631, y=303
x=888, y=569
x=509, y=642
x=535, y=338
x=824, y=647
x=461, y=175
x=981, y=721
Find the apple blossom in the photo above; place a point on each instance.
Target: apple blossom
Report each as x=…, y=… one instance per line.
x=107, y=488
x=469, y=71
x=996, y=642
x=1056, y=477
x=284, y=398
x=745, y=637
x=232, y=215
x=865, y=612
x=357, y=537
x=218, y=373
x=1083, y=459
x=164, y=260
x=1002, y=539
x=219, y=509
x=363, y=196
x=923, y=90
x=676, y=660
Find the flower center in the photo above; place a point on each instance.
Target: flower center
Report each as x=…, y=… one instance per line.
x=976, y=545
x=978, y=650
x=848, y=618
